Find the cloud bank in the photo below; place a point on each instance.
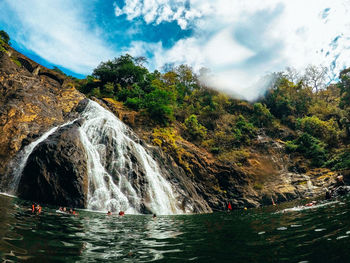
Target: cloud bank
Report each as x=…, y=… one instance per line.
x=57, y=32
x=238, y=40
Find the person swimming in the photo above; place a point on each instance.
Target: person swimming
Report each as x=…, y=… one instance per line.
x=109, y=213
x=36, y=208
x=154, y=216
x=121, y=213
x=311, y=204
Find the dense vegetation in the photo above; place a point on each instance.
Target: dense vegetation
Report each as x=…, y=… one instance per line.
x=310, y=117
x=315, y=115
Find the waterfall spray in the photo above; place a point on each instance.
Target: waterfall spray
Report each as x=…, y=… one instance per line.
x=113, y=155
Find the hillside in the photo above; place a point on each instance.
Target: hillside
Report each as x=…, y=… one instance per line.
x=291, y=143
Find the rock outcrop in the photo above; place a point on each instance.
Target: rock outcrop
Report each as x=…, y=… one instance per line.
x=30, y=104
x=56, y=170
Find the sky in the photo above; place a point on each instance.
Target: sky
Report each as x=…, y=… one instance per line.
x=239, y=41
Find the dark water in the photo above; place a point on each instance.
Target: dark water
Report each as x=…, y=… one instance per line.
x=320, y=234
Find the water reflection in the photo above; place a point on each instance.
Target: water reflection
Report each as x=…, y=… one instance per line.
x=129, y=238
x=260, y=235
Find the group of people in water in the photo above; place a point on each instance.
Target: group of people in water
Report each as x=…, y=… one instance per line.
x=36, y=209
x=70, y=211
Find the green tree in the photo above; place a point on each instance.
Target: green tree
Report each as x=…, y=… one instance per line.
x=122, y=70
x=4, y=37
x=344, y=86
x=157, y=104
x=286, y=99
x=325, y=130
x=309, y=147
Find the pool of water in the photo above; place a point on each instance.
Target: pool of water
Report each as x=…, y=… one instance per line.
x=284, y=233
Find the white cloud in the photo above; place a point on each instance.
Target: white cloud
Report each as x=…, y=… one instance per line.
x=56, y=31
x=158, y=11
x=238, y=40
x=272, y=35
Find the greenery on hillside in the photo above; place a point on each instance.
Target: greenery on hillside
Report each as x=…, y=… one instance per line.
x=312, y=118
x=316, y=115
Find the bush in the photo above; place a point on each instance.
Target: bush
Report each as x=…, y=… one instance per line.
x=324, y=130
x=133, y=103
x=195, y=129
x=237, y=156
x=309, y=147
x=244, y=130
x=108, y=90
x=261, y=115
x=96, y=92
x=158, y=106
x=340, y=161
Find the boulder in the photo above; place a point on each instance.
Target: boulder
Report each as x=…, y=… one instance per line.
x=56, y=170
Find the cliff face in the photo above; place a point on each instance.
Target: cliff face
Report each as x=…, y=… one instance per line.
x=34, y=99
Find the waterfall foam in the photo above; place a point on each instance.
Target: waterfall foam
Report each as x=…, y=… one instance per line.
x=114, y=153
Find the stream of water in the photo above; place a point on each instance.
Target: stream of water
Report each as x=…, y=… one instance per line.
x=286, y=233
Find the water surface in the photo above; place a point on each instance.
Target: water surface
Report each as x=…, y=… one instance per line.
x=271, y=234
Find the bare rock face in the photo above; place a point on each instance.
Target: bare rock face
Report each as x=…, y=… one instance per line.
x=189, y=195
x=56, y=171
x=32, y=100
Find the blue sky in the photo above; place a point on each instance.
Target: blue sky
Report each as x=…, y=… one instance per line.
x=238, y=40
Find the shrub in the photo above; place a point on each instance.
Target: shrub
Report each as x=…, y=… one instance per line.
x=309, y=147
x=261, y=115
x=244, y=130
x=157, y=104
x=133, y=103
x=167, y=138
x=340, y=161
x=324, y=130
x=108, y=90
x=195, y=129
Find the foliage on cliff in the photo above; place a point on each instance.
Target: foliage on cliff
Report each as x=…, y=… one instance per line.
x=316, y=114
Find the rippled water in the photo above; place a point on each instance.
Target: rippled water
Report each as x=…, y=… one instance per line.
x=272, y=234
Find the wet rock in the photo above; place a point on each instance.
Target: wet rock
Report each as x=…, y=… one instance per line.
x=340, y=191
x=29, y=106
x=189, y=198
x=56, y=171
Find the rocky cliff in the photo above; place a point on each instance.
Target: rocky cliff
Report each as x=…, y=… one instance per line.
x=34, y=99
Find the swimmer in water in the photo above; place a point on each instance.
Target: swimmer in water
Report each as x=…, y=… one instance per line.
x=311, y=204
x=109, y=213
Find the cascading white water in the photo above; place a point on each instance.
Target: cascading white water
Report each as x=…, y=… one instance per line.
x=113, y=153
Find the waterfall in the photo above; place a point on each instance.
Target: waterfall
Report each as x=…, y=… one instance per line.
x=114, y=155
x=122, y=175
